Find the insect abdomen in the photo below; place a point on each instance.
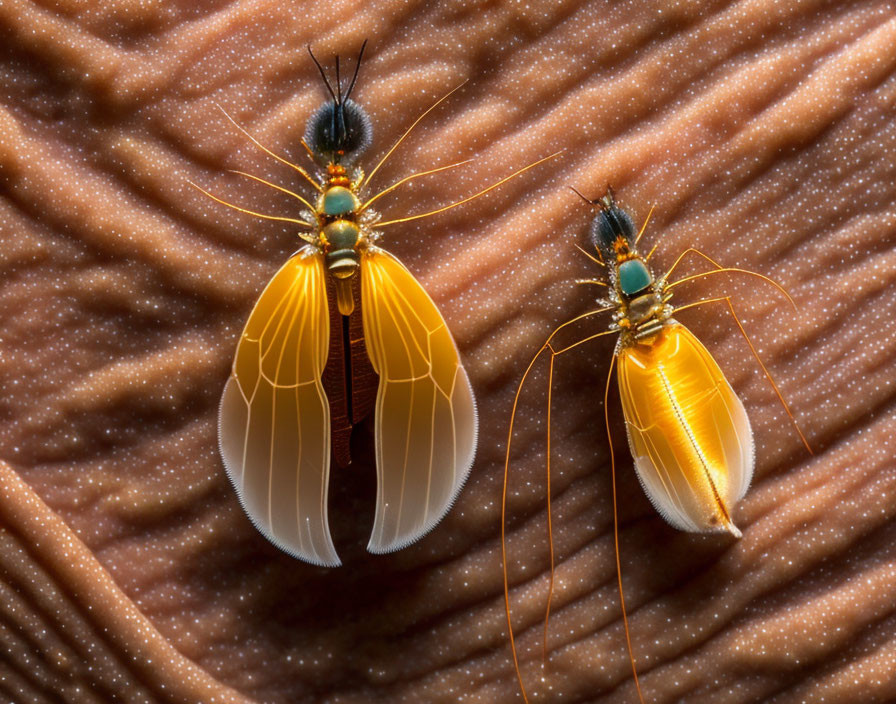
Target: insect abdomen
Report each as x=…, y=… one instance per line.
x=689, y=433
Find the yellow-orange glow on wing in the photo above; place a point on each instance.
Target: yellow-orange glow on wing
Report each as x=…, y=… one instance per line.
x=274, y=423
x=689, y=433
x=425, y=413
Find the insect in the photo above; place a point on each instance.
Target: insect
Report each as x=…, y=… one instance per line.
x=688, y=432
x=341, y=316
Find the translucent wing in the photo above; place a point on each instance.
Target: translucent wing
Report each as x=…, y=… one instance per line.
x=425, y=413
x=689, y=433
x=274, y=423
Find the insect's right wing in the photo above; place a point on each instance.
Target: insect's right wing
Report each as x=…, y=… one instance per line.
x=425, y=413
x=274, y=423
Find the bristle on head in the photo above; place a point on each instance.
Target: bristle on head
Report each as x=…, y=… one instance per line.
x=611, y=223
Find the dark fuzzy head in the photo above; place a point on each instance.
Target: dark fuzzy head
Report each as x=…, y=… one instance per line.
x=339, y=132
x=608, y=225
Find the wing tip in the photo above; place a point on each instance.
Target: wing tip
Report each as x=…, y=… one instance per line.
x=733, y=530
x=399, y=542
x=378, y=547
x=409, y=538
x=326, y=558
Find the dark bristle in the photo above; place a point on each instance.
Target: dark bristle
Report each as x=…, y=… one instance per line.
x=323, y=74
x=611, y=223
x=339, y=131
x=357, y=66
x=338, y=82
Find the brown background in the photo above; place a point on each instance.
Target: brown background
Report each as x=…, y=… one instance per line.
x=764, y=134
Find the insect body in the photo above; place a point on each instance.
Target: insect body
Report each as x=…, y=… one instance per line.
x=688, y=432
x=276, y=410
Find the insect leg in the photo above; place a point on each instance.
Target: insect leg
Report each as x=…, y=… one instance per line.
x=407, y=132
x=546, y=346
x=267, y=151
x=596, y=260
x=628, y=638
x=644, y=227
x=468, y=198
x=411, y=178
x=276, y=188
x=719, y=269
x=251, y=212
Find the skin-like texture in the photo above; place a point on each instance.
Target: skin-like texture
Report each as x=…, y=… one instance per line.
x=764, y=134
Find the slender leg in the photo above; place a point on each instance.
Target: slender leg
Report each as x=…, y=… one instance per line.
x=407, y=132
x=547, y=610
x=411, y=178
x=644, y=227
x=252, y=212
x=277, y=188
x=690, y=250
x=553, y=353
x=599, y=262
x=628, y=638
x=267, y=151
x=719, y=269
x=468, y=198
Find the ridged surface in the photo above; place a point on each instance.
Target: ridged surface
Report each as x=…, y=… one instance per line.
x=764, y=134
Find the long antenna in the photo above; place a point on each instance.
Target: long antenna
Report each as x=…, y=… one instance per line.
x=357, y=66
x=587, y=200
x=323, y=74
x=338, y=82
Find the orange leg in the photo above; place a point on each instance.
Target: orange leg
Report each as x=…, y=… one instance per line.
x=407, y=132
x=267, y=151
x=644, y=227
x=277, y=188
x=719, y=269
x=411, y=178
x=295, y=221
x=553, y=353
x=468, y=198
x=628, y=638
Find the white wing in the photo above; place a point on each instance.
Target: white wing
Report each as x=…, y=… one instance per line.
x=426, y=421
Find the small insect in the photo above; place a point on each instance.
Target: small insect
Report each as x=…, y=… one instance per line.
x=309, y=356
x=689, y=434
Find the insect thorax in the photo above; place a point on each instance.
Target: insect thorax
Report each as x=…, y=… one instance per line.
x=343, y=230
x=640, y=313
x=339, y=227
x=640, y=301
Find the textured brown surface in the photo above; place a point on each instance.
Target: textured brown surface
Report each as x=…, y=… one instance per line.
x=764, y=133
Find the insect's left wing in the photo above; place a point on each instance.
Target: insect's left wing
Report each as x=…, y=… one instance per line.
x=425, y=413
x=274, y=423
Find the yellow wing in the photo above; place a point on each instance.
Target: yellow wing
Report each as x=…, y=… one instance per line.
x=688, y=431
x=274, y=422
x=425, y=413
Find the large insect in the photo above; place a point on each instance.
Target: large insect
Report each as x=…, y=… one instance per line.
x=304, y=363
x=688, y=432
